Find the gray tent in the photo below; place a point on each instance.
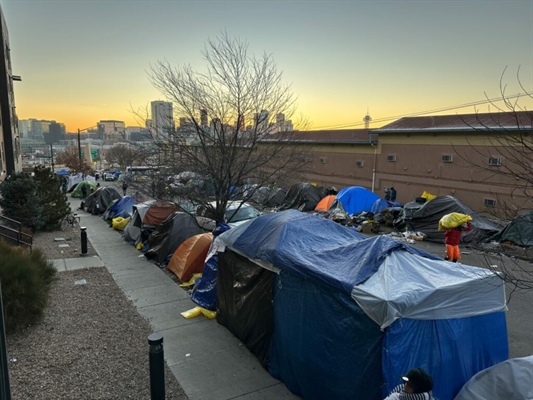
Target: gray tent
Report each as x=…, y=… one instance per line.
x=511, y=379
x=518, y=232
x=427, y=218
x=98, y=201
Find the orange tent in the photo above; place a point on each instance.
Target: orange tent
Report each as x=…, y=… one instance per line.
x=189, y=257
x=325, y=203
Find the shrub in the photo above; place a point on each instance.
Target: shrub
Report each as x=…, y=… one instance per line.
x=19, y=201
x=25, y=279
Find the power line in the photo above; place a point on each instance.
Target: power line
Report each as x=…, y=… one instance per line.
x=385, y=119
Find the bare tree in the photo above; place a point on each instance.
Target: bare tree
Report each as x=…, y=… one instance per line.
x=124, y=156
x=70, y=158
x=242, y=96
x=508, y=137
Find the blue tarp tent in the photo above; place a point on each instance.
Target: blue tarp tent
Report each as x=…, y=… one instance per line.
x=352, y=314
x=356, y=199
x=63, y=172
x=122, y=207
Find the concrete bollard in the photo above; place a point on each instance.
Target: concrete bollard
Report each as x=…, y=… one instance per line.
x=83, y=240
x=157, y=367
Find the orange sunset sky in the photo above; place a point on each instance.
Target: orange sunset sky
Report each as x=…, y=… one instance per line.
x=85, y=61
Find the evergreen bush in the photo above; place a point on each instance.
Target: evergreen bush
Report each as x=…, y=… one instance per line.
x=25, y=279
x=19, y=201
x=53, y=201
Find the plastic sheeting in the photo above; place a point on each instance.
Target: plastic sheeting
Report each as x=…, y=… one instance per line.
x=244, y=302
x=97, y=202
x=426, y=220
x=510, y=380
x=302, y=196
x=408, y=286
x=313, y=247
x=323, y=346
x=122, y=207
x=167, y=237
x=204, y=292
x=518, y=232
x=357, y=199
x=451, y=350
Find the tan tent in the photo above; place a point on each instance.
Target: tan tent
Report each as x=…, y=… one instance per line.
x=189, y=257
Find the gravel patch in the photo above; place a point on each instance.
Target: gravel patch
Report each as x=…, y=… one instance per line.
x=91, y=344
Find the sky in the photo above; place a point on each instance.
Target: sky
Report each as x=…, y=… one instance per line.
x=82, y=61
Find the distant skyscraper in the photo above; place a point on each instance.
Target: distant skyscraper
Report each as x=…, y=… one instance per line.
x=162, y=118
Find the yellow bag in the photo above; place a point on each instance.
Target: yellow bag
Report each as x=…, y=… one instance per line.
x=428, y=196
x=453, y=220
x=119, y=223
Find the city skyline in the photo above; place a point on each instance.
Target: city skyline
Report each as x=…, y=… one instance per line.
x=84, y=61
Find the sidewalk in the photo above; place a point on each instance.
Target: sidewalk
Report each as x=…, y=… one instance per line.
x=206, y=359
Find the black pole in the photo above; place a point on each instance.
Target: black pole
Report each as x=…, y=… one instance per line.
x=83, y=240
x=79, y=149
x=157, y=367
x=5, y=391
x=52, y=156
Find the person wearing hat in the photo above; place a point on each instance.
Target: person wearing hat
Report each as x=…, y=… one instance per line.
x=417, y=385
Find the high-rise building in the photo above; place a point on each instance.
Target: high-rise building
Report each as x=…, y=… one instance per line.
x=10, y=154
x=162, y=118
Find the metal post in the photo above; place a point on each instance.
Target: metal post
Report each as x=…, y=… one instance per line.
x=83, y=240
x=157, y=367
x=52, y=156
x=79, y=148
x=5, y=390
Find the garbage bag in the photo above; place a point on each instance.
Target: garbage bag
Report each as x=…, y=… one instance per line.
x=119, y=223
x=453, y=220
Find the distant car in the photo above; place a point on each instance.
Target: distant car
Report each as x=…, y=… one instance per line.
x=234, y=215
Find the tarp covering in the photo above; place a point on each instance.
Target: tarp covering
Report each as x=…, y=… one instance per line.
x=427, y=218
x=323, y=344
x=518, y=232
x=98, y=201
x=452, y=350
x=302, y=196
x=123, y=207
x=301, y=242
x=510, y=380
x=327, y=345
x=204, y=292
x=63, y=172
x=168, y=235
x=356, y=199
x=400, y=288
x=275, y=198
x=132, y=231
x=244, y=302
x=189, y=257
x=159, y=211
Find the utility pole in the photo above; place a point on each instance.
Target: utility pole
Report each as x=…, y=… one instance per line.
x=52, y=156
x=79, y=149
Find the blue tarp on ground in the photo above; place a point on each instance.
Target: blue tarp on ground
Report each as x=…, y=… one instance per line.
x=356, y=199
x=335, y=289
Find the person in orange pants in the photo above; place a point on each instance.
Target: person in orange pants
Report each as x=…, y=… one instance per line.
x=452, y=238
